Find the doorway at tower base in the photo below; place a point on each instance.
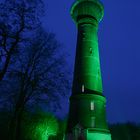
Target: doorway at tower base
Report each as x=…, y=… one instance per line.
x=89, y=134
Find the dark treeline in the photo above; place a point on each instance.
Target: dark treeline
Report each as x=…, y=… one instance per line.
x=40, y=125
x=34, y=126
x=125, y=131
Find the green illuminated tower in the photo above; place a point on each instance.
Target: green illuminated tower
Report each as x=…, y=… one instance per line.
x=87, y=118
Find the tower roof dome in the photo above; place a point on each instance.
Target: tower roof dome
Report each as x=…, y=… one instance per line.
x=92, y=8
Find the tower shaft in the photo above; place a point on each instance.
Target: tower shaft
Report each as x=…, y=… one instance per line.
x=87, y=65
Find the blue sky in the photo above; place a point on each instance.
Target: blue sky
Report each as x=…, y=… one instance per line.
x=119, y=45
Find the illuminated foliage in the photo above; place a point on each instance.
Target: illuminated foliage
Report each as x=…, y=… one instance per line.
x=41, y=126
x=46, y=128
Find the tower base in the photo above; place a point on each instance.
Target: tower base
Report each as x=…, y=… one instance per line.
x=89, y=134
x=87, y=119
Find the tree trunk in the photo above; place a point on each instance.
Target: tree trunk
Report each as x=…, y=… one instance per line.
x=15, y=125
x=18, y=126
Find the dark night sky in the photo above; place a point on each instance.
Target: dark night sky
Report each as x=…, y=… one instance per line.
x=119, y=44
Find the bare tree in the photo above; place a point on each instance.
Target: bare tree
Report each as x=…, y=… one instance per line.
x=39, y=74
x=31, y=61
x=18, y=20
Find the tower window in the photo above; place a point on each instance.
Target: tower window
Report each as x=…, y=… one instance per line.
x=92, y=106
x=91, y=50
x=83, y=88
x=92, y=121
